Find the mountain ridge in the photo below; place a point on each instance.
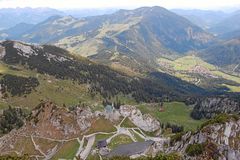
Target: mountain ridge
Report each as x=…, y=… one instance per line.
x=139, y=35
x=12, y=16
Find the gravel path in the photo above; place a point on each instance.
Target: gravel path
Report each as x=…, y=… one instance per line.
x=88, y=148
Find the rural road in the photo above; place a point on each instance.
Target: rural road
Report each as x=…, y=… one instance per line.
x=88, y=148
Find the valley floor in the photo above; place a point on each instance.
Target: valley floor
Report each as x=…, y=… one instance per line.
x=193, y=69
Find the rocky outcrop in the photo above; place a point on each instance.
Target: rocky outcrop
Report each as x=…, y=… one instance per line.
x=211, y=106
x=2, y=52
x=24, y=50
x=52, y=121
x=113, y=116
x=49, y=122
x=144, y=121
x=219, y=141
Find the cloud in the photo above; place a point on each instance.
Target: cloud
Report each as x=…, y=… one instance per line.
x=202, y=4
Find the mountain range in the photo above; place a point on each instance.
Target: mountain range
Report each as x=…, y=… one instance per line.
x=203, y=18
x=229, y=24
x=132, y=41
x=13, y=16
x=219, y=23
x=148, y=83
x=136, y=36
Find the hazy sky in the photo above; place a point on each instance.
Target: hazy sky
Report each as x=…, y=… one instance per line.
x=200, y=4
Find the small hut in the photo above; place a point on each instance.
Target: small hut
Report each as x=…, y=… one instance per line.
x=102, y=143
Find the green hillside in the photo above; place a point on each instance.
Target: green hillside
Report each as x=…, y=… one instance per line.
x=59, y=91
x=30, y=74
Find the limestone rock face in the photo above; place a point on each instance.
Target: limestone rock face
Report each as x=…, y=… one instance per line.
x=84, y=117
x=144, y=121
x=24, y=50
x=224, y=138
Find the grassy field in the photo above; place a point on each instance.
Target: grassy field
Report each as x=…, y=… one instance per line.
x=233, y=88
x=93, y=157
x=127, y=123
x=3, y=105
x=124, y=99
x=25, y=145
x=59, y=91
x=182, y=68
x=18, y=70
x=137, y=137
x=121, y=139
x=45, y=144
x=174, y=112
x=188, y=62
x=101, y=137
x=67, y=151
x=102, y=125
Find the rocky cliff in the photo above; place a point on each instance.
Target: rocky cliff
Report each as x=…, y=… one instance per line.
x=144, y=121
x=218, y=138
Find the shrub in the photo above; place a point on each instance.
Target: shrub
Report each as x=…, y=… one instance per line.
x=11, y=118
x=8, y=157
x=221, y=119
x=177, y=137
x=194, y=149
x=171, y=156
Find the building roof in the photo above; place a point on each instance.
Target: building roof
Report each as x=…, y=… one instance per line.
x=131, y=149
x=102, y=143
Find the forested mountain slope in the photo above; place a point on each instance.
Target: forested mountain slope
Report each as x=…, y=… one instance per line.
x=53, y=61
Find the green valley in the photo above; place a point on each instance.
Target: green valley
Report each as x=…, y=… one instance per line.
x=193, y=69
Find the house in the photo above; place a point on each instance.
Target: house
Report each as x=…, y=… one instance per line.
x=102, y=143
x=132, y=149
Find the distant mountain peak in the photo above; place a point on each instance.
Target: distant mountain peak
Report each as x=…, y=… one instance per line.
x=12, y=16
